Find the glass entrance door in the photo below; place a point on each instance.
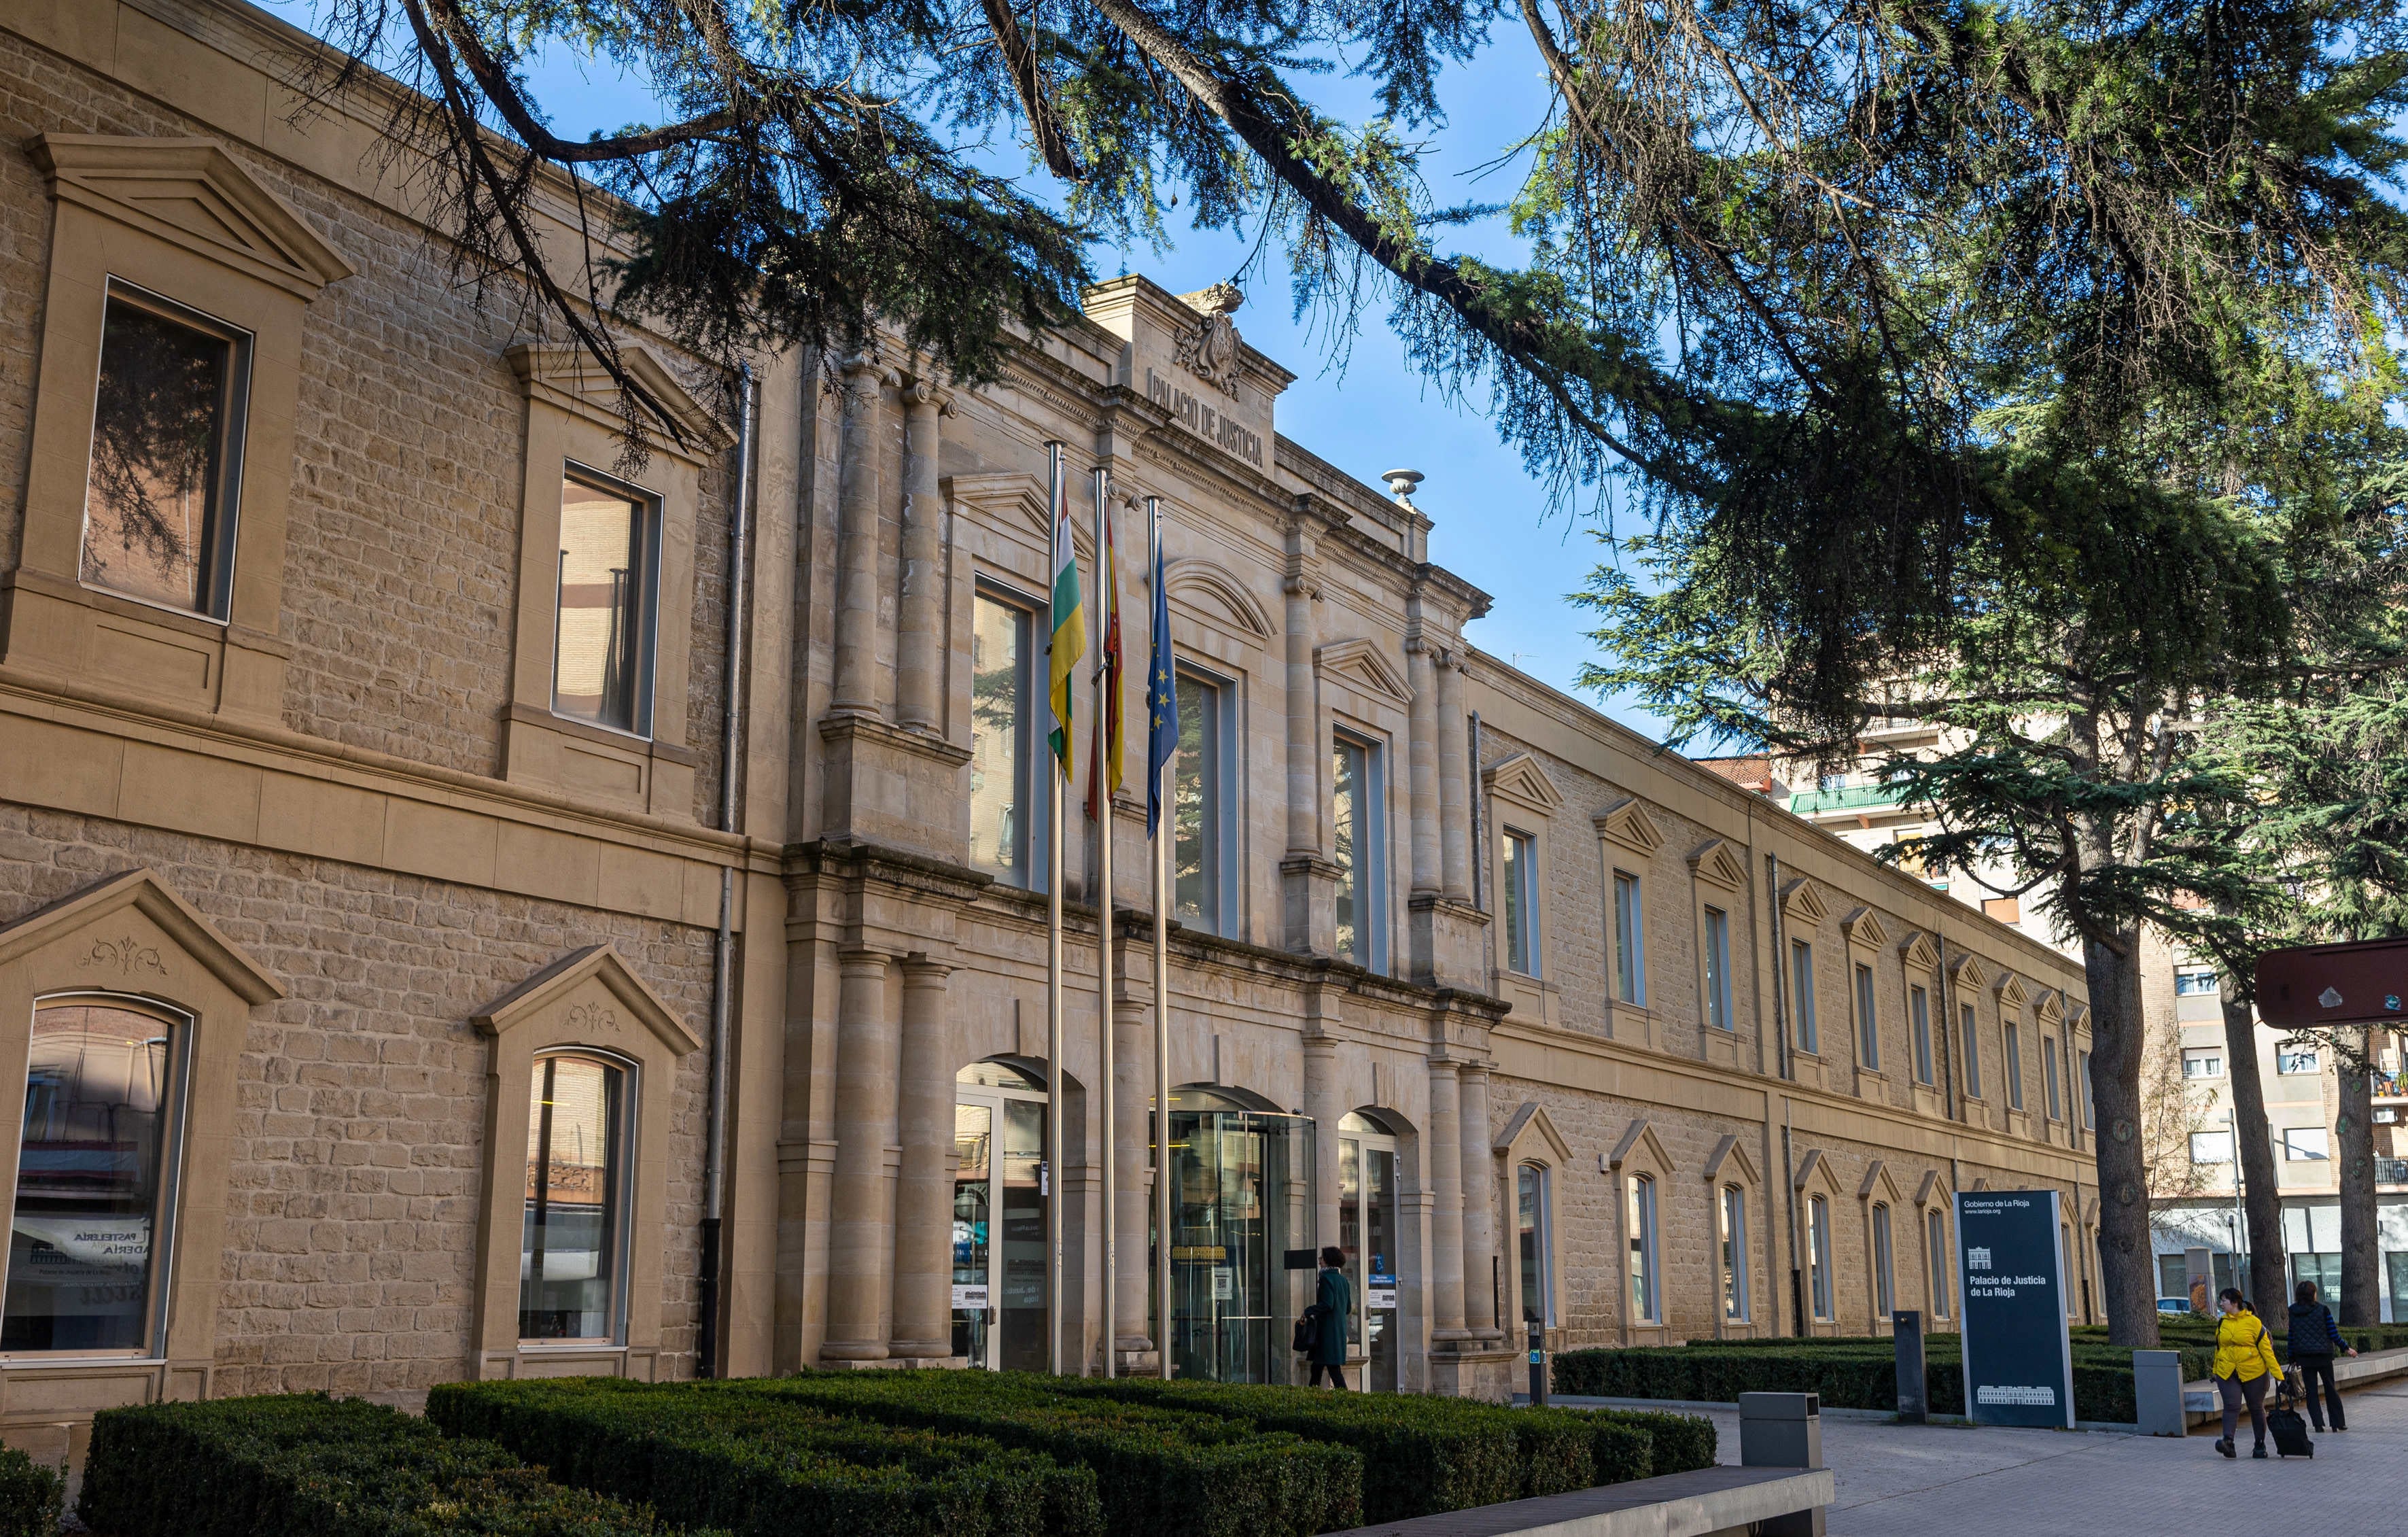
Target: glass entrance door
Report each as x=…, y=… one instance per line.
x=1367, y=1230
x=1241, y=1195
x=1000, y=1303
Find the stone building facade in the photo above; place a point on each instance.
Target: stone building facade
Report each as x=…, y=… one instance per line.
x=376, y=921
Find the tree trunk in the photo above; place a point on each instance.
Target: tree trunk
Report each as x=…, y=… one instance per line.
x=2253, y=1147
x=2126, y=1271
x=2354, y=1129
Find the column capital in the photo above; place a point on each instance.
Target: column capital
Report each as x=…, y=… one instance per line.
x=920, y=970
x=927, y=394
x=863, y=961
x=867, y=360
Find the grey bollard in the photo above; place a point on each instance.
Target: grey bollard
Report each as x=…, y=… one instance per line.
x=1913, y=1383
x=1782, y=1430
x=2158, y=1393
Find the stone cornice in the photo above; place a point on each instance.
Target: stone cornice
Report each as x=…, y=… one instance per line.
x=854, y=859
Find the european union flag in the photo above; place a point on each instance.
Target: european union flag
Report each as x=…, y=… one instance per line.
x=1162, y=686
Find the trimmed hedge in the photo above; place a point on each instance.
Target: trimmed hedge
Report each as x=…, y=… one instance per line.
x=1161, y=1474
x=1682, y=1443
x=31, y=1496
x=305, y=1465
x=706, y=1454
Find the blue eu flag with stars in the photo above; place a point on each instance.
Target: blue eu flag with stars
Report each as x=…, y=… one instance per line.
x=1162, y=688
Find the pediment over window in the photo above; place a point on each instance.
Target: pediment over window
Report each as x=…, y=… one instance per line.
x=1626, y=823
x=1970, y=973
x=1360, y=662
x=1730, y=1155
x=1530, y=1137
x=1814, y=1172
x=1015, y=497
x=574, y=379
x=1716, y=864
x=1863, y=925
x=614, y=1001
x=1803, y=900
x=1919, y=952
x=1215, y=591
x=191, y=192
x=1639, y=1144
x=132, y=933
x=1520, y=778
x=2011, y=991
x=1878, y=1186
x=1931, y=1192
x=2078, y=1017
x=2052, y=1007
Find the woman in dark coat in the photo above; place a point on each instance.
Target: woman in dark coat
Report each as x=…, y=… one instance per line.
x=1334, y=1296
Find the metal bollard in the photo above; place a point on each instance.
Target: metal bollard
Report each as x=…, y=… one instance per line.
x=1913, y=1383
x=1537, y=1363
x=2158, y=1393
x=1782, y=1430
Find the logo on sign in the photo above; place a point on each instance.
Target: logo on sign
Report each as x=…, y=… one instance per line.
x=2329, y=998
x=1977, y=1258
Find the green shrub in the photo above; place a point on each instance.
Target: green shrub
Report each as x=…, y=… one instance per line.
x=305, y=1465
x=1160, y=1473
x=1679, y=1443
x=31, y=1496
x=708, y=1454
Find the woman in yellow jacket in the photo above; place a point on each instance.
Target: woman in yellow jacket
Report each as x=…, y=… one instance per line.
x=2244, y=1368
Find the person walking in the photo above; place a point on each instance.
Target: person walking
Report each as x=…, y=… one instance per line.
x=2244, y=1368
x=1333, y=1298
x=2314, y=1339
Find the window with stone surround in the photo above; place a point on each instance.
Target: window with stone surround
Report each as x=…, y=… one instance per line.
x=1521, y=889
x=1802, y=995
x=2048, y=1078
x=1629, y=939
x=1972, y=1052
x=2014, y=1055
x=1731, y=1214
x=1007, y=814
x=608, y=602
x=572, y=1260
x=1868, y=1020
x=1203, y=788
x=1646, y=1294
x=1884, y=1287
x=1935, y=1259
x=1358, y=840
x=1717, y=956
x=1918, y=1004
x=1818, y=1255
x=1534, y=1244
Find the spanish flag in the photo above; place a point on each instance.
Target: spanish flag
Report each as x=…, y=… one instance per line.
x=1070, y=644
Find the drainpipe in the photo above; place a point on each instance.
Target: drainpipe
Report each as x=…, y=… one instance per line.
x=722, y=982
x=1479, y=850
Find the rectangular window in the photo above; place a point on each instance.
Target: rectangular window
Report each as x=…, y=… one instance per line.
x=2048, y=1076
x=2015, y=1054
x=1818, y=1254
x=1801, y=993
x=1935, y=1259
x=2082, y=1059
x=1734, y=1252
x=1531, y=1229
x=2203, y=1062
x=1718, y=992
x=2210, y=1147
x=2193, y=983
x=602, y=652
x=1868, y=1021
x=2322, y=1269
x=167, y=453
x=1005, y=809
x=2306, y=1144
x=1199, y=778
x=571, y=1254
x=1629, y=941
x=1521, y=903
x=1356, y=840
x=1885, y=1295
x=2006, y=909
x=2295, y=1059
x=1973, y=1055
x=96, y=1161
x=1918, y=1003
x=1644, y=1302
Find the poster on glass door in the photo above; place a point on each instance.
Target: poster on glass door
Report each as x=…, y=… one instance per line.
x=2011, y=1269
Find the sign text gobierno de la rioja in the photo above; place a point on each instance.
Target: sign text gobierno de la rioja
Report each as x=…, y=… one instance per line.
x=2011, y=1272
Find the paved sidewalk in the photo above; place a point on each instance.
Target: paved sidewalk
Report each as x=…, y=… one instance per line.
x=1914, y=1481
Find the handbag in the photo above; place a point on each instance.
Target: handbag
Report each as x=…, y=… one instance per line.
x=1308, y=1329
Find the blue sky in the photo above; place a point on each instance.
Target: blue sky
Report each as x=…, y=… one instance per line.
x=1356, y=402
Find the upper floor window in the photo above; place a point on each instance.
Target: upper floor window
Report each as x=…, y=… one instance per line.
x=2296, y=1059
x=1918, y=1004
x=1733, y=1239
x=2203, y=1062
x=572, y=1256
x=1533, y=1243
x=1973, y=1052
x=2007, y=909
x=1357, y=838
x=1521, y=902
x=96, y=1163
x=2015, y=1054
x=167, y=453
x=1718, y=987
x=1802, y=979
x=2189, y=984
x=2210, y=1147
x=602, y=654
x=1868, y=1020
x=1646, y=1303
x=1629, y=941
x=1004, y=809
x=1202, y=779
x=2082, y=1060
x=2048, y=1077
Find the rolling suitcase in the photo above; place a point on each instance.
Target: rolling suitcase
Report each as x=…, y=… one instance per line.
x=2287, y=1427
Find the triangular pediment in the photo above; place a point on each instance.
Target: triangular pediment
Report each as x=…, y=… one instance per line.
x=1802, y=899
x=1361, y=665
x=575, y=380
x=1520, y=778
x=1626, y=823
x=123, y=952
x=1217, y=596
x=1730, y=1155
x=1639, y=1143
x=192, y=192
x=2052, y=1008
x=1530, y=1133
x=1877, y=1186
x=1814, y=1172
x=2078, y=1017
x=1970, y=973
x=1716, y=865
x=1931, y=1192
x=1863, y=925
x=2011, y=991
x=619, y=988
x=1919, y=952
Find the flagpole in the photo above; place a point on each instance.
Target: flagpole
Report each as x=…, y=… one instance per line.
x=1107, y=680
x=1054, y=996
x=1159, y=852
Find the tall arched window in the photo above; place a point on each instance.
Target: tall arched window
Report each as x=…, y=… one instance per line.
x=96, y=1165
x=1884, y=1291
x=1733, y=1212
x=1646, y=1301
x=572, y=1256
x=1935, y=1259
x=1818, y=1254
x=1535, y=1243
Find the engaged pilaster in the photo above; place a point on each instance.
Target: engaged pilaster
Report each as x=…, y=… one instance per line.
x=856, y=611
x=1422, y=677
x=1445, y=1164
x=923, y=1192
x=859, y=1242
x=919, y=672
x=1454, y=784
x=1132, y=1137
x=1479, y=1206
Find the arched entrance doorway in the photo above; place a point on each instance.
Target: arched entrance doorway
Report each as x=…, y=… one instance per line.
x=999, y=1302
x=1242, y=1194
x=1368, y=1231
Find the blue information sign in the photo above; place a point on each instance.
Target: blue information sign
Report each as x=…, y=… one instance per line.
x=2010, y=1271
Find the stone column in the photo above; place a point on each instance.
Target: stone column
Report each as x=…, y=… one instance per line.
x=859, y=1239
x=1479, y=1207
x=1443, y=1158
x=1322, y=1103
x=920, y=628
x=1303, y=719
x=1454, y=786
x=1132, y=1199
x=1423, y=677
x=924, y=1195
x=857, y=599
